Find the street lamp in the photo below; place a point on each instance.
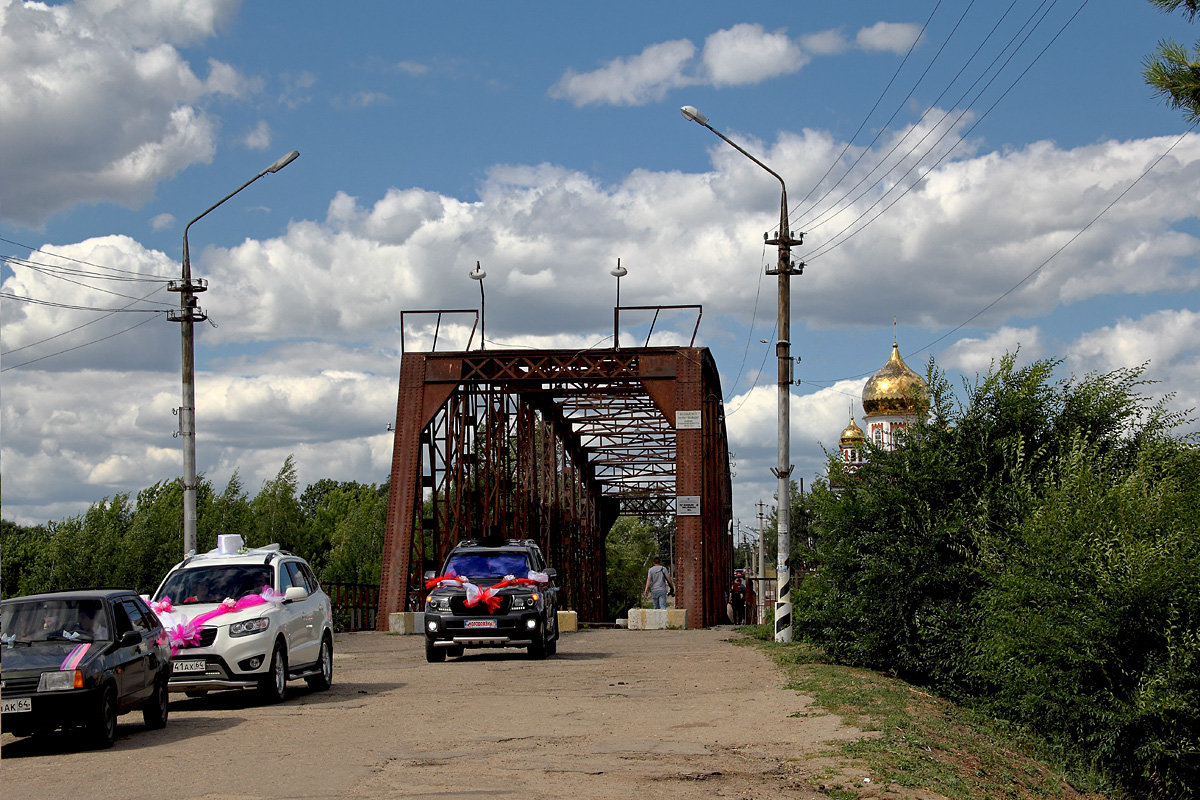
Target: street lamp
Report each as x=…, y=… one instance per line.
x=617, y=272
x=478, y=275
x=785, y=269
x=190, y=313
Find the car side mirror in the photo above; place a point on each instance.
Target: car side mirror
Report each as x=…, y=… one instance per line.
x=129, y=639
x=430, y=575
x=551, y=572
x=294, y=593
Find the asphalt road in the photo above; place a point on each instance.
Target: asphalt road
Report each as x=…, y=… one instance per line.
x=617, y=714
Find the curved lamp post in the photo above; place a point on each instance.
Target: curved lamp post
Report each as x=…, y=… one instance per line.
x=478, y=275
x=785, y=270
x=617, y=272
x=190, y=313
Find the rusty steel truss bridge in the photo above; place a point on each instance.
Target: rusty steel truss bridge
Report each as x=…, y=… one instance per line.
x=554, y=445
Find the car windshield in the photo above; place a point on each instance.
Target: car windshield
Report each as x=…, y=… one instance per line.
x=54, y=620
x=488, y=565
x=212, y=584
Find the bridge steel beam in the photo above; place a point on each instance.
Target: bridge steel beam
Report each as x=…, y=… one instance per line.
x=554, y=446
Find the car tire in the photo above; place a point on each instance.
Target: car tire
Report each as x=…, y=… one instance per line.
x=324, y=679
x=154, y=713
x=272, y=687
x=552, y=646
x=102, y=728
x=538, y=648
x=456, y=651
x=434, y=655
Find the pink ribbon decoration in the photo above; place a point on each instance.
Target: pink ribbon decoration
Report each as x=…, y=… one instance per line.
x=162, y=606
x=187, y=633
x=75, y=656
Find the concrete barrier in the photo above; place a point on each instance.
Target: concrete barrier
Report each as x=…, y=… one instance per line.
x=406, y=622
x=650, y=619
x=568, y=621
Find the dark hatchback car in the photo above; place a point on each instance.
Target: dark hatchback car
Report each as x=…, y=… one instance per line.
x=81, y=659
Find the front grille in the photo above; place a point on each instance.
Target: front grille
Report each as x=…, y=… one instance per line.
x=20, y=687
x=458, y=606
x=207, y=637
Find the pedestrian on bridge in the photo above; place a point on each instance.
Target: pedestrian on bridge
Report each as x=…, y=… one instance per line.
x=657, y=581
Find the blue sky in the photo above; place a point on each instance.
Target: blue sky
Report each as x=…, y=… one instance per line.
x=545, y=141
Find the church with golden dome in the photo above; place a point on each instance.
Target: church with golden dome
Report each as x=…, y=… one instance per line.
x=892, y=399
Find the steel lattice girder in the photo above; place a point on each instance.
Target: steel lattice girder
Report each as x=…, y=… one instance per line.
x=554, y=445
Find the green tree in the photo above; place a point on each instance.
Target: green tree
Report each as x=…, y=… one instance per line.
x=629, y=549
x=277, y=514
x=355, y=517
x=1033, y=550
x=1173, y=70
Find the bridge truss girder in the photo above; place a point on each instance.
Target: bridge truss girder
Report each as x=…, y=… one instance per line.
x=554, y=446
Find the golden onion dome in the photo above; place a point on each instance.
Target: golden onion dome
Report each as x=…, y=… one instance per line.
x=852, y=435
x=894, y=389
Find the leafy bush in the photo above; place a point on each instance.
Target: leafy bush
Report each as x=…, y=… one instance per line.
x=1035, y=551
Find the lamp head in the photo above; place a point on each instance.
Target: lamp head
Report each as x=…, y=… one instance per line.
x=283, y=162
x=477, y=274
x=693, y=114
x=618, y=271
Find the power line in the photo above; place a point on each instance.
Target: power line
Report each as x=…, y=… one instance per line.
x=76, y=328
x=1040, y=266
x=862, y=124
x=835, y=242
x=80, y=261
x=78, y=346
x=833, y=207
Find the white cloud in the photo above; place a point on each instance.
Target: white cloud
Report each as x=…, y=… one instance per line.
x=976, y=355
x=747, y=54
x=323, y=298
x=630, y=81
x=1162, y=338
x=258, y=138
x=412, y=68
x=825, y=43
x=162, y=222
x=892, y=37
x=114, y=64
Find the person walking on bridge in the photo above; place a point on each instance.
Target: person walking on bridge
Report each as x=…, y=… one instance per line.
x=657, y=581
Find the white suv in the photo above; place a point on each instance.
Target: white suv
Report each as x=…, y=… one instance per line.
x=241, y=618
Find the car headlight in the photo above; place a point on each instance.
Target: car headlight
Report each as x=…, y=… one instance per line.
x=438, y=603
x=249, y=627
x=60, y=681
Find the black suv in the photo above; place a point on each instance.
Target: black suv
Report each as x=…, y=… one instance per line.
x=494, y=593
x=81, y=659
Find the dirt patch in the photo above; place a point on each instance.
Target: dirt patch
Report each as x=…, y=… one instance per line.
x=637, y=714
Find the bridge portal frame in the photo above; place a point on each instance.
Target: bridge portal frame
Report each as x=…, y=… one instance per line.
x=554, y=445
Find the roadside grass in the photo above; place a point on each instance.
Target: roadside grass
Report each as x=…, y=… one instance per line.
x=916, y=740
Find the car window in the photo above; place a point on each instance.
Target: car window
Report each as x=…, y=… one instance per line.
x=212, y=583
x=136, y=619
x=296, y=576
x=150, y=616
x=285, y=579
x=313, y=584
x=488, y=565
x=55, y=619
x=124, y=624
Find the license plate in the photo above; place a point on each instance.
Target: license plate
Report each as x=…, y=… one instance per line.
x=16, y=705
x=190, y=665
x=480, y=623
